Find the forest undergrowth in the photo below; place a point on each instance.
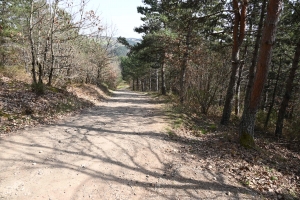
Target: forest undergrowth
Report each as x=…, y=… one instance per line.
x=20, y=107
x=271, y=168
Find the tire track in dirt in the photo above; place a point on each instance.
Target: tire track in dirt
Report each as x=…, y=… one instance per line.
x=116, y=150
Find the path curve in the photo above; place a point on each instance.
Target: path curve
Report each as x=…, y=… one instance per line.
x=116, y=150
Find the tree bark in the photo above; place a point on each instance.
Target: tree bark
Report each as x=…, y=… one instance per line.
x=157, y=81
x=38, y=53
x=137, y=84
x=273, y=96
x=2, y=27
x=133, y=88
x=238, y=90
x=50, y=36
x=143, y=85
x=288, y=92
x=268, y=39
x=238, y=37
x=163, y=83
x=238, y=83
x=255, y=55
x=184, y=63
x=181, y=83
x=33, y=51
x=150, y=80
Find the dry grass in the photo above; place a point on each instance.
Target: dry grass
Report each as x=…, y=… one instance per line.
x=15, y=72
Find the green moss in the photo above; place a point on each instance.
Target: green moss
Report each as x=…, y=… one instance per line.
x=38, y=88
x=212, y=127
x=54, y=89
x=273, y=178
x=10, y=71
x=65, y=107
x=293, y=194
x=4, y=128
x=3, y=114
x=203, y=131
x=247, y=141
x=105, y=88
x=171, y=133
x=8, y=116
x=178, y=123
x=247, y=182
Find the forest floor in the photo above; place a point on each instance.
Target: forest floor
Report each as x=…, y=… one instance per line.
x=130, y=146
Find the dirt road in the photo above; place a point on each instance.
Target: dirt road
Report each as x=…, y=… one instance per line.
x=117, y=150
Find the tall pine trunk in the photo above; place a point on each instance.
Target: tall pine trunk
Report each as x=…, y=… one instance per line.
x=267, y=42
x=288, y=92
x=163, y=79
x=184, y=64
x=255, y=55
x=185, y=58
x=238, y=37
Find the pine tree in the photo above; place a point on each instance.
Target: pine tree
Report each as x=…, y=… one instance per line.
x=267, y=42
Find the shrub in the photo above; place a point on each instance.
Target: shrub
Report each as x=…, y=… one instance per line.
x=38, y=88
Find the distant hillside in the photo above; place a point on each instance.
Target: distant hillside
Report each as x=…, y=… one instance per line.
x=133, y=41
x=120, y=50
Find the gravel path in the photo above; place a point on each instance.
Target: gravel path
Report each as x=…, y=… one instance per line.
x=116, y=150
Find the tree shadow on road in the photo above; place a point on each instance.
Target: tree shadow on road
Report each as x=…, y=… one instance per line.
x=119, y=146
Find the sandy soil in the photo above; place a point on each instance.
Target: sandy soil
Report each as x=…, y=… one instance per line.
x=116, y=150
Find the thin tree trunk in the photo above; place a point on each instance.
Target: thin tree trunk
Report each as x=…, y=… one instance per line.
x=133, y=88
x=137, y=84
x=265, y=96
x=33, y=53
x=221, y=100
x=157, y=81
x=238, y=83
x=267, y=42
x=255, y=55
x=142, y=85
x=273, y=96
x=40, y=67
x=163, y=83
x=184, y=64
x=238, y=37
x=238, y=90
x=51, y=71
x=38, y=60
x=51, y=44
x=181, y=82
x=288, y=92
x=150, y=80
x=2, y=40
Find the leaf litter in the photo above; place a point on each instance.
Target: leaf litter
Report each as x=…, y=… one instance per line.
x=271, y=169
x=21, y=108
